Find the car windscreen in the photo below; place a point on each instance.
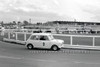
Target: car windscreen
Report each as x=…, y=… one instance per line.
x=51, y=37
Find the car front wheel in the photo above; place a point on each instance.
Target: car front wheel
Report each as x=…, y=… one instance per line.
x=30, y=46
x=55, y=48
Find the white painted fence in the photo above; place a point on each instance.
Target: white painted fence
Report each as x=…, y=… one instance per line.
x=71, y=41
x=91, y=42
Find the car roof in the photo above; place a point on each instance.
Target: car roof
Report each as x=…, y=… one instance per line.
x=41, y=34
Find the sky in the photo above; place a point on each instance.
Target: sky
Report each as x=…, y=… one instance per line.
x=50, y=10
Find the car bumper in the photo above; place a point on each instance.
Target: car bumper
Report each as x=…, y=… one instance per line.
x=61, y=46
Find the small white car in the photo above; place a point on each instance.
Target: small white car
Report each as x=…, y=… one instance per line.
x=44, y=40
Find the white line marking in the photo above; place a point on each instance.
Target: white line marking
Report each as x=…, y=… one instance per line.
x=78, y=62
x=46, y=60
x=9, y=57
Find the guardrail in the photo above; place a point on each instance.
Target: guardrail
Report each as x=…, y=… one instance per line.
x=71, y=41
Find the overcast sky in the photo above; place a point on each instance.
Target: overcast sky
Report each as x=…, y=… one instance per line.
x=48, y=10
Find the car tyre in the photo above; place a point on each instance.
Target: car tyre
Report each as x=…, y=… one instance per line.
x=30, y=46
x=55, y=48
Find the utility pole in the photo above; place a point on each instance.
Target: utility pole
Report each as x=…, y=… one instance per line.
x=30, y=20
x=74, y=20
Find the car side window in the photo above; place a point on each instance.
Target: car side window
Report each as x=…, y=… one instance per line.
x=44, y=38
x=34, y=37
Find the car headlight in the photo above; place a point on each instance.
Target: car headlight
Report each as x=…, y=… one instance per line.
x=62, y=42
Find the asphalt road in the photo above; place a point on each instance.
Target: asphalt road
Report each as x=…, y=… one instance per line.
x=15, y=55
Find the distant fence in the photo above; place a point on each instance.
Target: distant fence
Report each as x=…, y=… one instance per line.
x=70, y=41
x=29, y=30
x=54, y=31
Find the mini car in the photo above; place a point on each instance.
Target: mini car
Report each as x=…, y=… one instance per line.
x=44, y=40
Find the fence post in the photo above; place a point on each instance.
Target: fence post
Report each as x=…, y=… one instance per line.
x=93, y=41
x=24, y=36
x=16, y=36
x=8, y=35
x=71, y=40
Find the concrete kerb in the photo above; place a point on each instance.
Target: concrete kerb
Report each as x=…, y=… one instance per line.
x=64, y=51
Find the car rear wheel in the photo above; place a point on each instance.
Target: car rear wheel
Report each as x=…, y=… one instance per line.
x=55, y=48
x=30, y=46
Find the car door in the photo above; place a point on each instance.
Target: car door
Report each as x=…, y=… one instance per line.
x=35, y=41
x=44, y=41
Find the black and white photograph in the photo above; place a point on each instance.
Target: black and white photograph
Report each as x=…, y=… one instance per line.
x=49, y=33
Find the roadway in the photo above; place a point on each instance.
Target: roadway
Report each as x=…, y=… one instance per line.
x=16, y=55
